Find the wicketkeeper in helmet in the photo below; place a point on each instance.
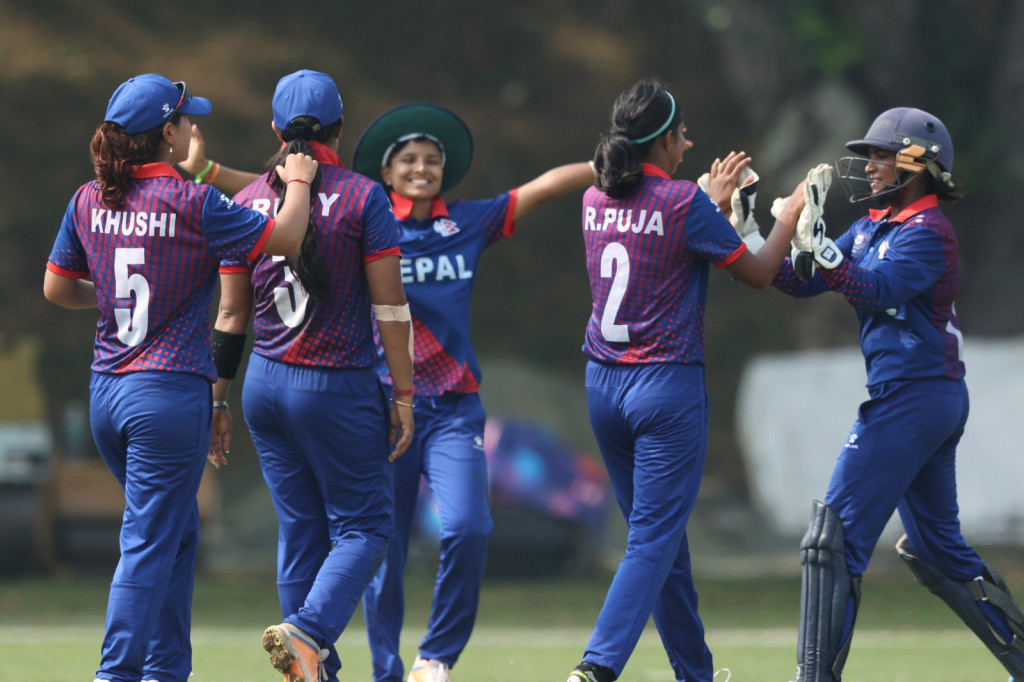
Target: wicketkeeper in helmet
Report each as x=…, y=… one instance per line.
x=898, y=267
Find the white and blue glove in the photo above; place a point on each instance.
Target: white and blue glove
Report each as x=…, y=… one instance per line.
x=743, y=199
x=810, y=245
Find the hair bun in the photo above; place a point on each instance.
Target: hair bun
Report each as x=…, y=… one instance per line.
x=298, y=130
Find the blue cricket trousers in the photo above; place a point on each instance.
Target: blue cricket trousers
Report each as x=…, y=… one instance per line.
x=651, y=424
x=448, y=450
x=321, y=435
x=153, y=431
x=901, y=454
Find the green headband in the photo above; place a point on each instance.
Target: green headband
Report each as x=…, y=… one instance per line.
x=664, y=125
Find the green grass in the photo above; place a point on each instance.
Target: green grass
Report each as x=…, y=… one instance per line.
x=50, y=630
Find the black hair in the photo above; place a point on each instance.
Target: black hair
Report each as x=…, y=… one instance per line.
x=116, y=154
x=305, y=263
x=950, y=192
x=639, y=111
x=399, y=146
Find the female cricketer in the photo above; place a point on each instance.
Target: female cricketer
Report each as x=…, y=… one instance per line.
x=420, y=151
x=649, y=242
x=317, y=411
x=143, y=247
x=898, y=267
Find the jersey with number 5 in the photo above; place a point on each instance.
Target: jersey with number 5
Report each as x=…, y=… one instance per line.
x=647, y=259
x=354, y=226
x=154, y=264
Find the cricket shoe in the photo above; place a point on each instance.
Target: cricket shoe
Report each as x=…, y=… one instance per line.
x=429, y=670
x=588, y=672
x=294, y=653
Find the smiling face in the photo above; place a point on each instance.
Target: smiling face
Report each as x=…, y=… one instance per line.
x=880, y=169
x=415, y=171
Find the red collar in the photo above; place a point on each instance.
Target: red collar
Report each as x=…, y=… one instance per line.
x=155, y=170
x=402, y=207
x=925, y=202
x=324, y=154
x=651, y=169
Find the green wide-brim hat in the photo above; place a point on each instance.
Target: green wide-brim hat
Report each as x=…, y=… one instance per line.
x=415, y=117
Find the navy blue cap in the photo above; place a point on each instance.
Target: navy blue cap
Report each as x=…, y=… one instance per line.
x=307, y=93
x=147, y=101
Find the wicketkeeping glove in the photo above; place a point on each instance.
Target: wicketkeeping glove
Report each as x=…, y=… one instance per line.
x=809, y=238
x=743, y=199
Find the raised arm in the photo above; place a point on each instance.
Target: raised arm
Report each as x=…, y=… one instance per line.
x=292, y=219
x=758, y=269
x=228, y=180
x=554, y=183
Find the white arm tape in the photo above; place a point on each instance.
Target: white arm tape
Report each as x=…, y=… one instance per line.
x=391, y=313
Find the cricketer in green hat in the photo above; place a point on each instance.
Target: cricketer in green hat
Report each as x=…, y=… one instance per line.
x=408, y=122
x=418, y=151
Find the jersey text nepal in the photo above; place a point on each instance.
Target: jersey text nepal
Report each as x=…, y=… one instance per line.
x=141, y=223
x=437, y=269
x=622, y=219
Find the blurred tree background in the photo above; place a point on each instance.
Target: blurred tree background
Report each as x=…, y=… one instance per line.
x=788, y=81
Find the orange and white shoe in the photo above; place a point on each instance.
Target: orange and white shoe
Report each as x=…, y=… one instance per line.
x=429, y=670
x=294, y=653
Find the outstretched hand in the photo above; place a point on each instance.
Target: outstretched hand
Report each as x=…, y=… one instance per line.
x=724, y=179
x=297, y=167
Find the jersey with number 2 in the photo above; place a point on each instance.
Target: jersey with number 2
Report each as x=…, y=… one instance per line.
x=647, y=260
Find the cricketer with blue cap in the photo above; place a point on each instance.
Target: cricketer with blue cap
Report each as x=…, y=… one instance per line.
x=150, y=100
x=313, y=402
x=307, y=93
x=142, y=246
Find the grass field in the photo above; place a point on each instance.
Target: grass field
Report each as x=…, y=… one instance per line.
x=50, y=631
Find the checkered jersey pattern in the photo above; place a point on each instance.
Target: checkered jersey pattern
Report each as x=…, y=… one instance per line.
x=354, y=226
x=647, y=260
x=154, y=263
x=902, y=276
x=440, y=256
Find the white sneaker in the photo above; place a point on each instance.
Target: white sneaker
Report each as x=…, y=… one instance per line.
x=429, y=670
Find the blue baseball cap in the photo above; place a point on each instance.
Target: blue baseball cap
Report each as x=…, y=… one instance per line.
x=307, y=93
x=150, y=100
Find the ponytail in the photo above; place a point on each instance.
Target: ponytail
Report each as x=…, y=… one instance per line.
x=116, y=155
x=641, y=114
x=306, y=263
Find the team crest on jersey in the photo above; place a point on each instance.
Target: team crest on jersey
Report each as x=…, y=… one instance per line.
x=445, y=227
x=883, y=249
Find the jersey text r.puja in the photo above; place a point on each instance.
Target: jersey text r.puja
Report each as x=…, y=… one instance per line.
x=622, y=219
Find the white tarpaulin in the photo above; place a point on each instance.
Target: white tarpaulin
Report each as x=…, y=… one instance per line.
x=794, y=412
